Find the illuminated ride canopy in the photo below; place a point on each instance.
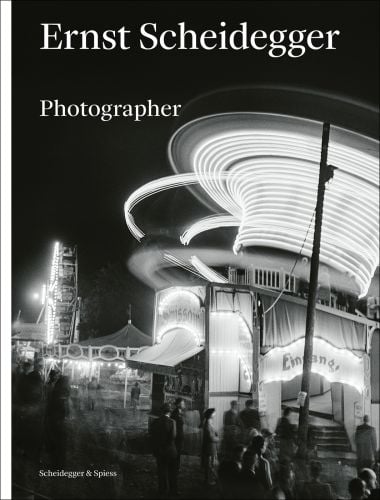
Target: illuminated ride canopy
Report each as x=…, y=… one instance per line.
x=259, y=173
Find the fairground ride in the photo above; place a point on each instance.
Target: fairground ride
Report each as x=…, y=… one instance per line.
x=61, y=303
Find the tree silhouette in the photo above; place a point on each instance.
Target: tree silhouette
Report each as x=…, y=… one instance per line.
x=105, y=299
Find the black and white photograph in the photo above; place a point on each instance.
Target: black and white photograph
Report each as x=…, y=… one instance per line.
x=190, y=250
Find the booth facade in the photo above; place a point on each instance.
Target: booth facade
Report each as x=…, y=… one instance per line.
x=222, y=342
x=341, y=363
x=103, y=358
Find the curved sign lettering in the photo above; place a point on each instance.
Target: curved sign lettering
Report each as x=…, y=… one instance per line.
x=337, y=365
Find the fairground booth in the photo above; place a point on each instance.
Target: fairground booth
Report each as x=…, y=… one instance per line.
x=27, y=340
x=212, y=344
x=232, y=276
x=103, y=359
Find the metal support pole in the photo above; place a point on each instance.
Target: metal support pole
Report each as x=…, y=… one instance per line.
x=41, y=313
x=90, y=365
x=207, y=320
x=325, y=174
x=126, y=384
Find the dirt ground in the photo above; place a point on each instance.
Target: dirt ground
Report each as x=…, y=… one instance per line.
x=114, y=441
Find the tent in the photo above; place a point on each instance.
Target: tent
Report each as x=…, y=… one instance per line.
x=29, y=332
x=128, y=336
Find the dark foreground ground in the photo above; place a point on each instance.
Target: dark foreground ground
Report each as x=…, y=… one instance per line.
x=115, y=441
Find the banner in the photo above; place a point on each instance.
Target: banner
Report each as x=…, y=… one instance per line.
x=337, y=365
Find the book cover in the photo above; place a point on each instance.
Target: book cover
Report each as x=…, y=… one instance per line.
x=190, y=227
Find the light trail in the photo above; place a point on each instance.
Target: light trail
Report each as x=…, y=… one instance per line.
x=206, y=271
x=263, y=173
x=180, y=263
x=149, y=189
x=208, y=223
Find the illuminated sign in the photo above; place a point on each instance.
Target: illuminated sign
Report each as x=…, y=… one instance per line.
x=179, y=307
x=337, y=365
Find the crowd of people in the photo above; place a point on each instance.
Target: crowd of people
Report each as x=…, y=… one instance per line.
x=41, y=410
x=248, y=462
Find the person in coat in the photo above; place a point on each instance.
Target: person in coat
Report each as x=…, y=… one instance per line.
x=135, y=395
x=263, y=472
x=57, y=414
x=210, y=441
x=229, y=472
x=231, y=416
x=178, y=416
x=315, y=489
x=270, y=453
x=250, y=419
x=356, y=489
x=163, y=434
x=285, y=430
x=365, y=440
x=286, y=480
x=250, y=486
x=92, y=391
x=34, y=411
x=232, y=428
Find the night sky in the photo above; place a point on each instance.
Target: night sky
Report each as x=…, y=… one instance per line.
x=71, y=176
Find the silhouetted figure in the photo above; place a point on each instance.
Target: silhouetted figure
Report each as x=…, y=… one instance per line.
x=33, y=411
x=285, y=430
x=270, y=453
x=231, y=416
x=49, y=388
x=57, y=414
x=287, y=481
x=232, y=428
x=370, y=479
x=21, y=382
x=210, y=441
x=250, y=419
x=311, y=442
x=195, y=385
x=177, y=415
x=250, y=486
x=365, y=439
x=315, y=489
x=82, y=394
x=163, y=434
x=50, y=384
x=263, y=471
x=356, y=488
x=93, y=393
x=34, y=387
x=229, y=472
x=135, y=395
x=21, y=407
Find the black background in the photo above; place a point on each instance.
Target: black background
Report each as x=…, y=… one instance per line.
x=71, y=176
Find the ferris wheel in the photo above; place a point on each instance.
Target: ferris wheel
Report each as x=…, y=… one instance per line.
x=61, y=300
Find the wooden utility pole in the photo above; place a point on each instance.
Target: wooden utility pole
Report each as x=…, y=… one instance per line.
x=326, y=172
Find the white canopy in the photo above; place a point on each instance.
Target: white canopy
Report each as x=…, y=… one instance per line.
x=176, y=346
